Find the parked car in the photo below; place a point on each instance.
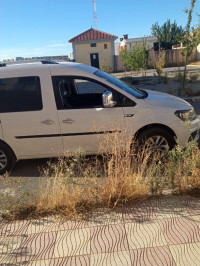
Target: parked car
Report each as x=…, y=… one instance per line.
x=48, y=108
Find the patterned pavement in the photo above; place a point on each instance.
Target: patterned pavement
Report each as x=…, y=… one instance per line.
x=159, y=231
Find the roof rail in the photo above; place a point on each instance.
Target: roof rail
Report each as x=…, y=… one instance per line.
x=48, y=61
x=43, y=61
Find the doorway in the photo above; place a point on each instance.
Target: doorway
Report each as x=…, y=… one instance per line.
x=94, y=59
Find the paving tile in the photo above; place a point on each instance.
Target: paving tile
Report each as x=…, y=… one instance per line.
x=170, y=206
x=36, y=247
x=108, y=238
x=111, y=259
x=47, y=224
x=14, y=228
x=139, y=212
x=8, y=248
x=186, y=254
x=73, y=224
x=72, y=243
x=180, y=230
x=196, y=219
x=104, y=216
x=192, y=204
x=70, y=261
x=144, y=235
x=152, y=256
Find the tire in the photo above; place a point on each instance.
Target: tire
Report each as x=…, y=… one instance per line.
x=155, y=140
x=7, y=159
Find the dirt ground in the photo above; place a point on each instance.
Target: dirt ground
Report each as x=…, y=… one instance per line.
x=170, y=82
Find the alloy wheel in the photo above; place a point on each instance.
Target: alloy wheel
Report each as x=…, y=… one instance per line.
x=3, y=160
x=157, y=145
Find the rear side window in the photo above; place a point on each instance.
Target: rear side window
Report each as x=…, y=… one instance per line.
x=20, y=94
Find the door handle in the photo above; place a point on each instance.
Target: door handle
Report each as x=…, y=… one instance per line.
x=48, y=122
x=68, y=121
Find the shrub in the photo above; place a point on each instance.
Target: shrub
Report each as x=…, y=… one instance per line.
x=160, y=63
x=104, y=67
x=136, y=58
x=194, y=76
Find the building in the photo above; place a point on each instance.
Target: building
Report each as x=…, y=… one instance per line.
x=126, y=43
x=95, y=48
x=56, y=58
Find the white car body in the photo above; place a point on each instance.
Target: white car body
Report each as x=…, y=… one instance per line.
x=50, y=132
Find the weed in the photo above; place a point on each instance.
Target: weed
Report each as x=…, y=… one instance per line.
x=160, y=63
x=189, y=90
x=179, y=76
x=164, y=78
x=73, y=185
x=194, y=77
x=169, y=88
x=105, y=67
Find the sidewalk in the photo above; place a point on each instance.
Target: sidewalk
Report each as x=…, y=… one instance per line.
x=159, y=231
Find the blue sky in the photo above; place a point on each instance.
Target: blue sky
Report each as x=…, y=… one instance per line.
x=43, y=27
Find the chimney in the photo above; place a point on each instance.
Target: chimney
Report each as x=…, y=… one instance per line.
x=125, y=36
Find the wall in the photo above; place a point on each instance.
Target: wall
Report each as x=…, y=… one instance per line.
x=172, y=58
x=83, y=51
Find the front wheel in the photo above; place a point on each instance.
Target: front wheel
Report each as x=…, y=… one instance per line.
x=7, y=159
x=155, y=142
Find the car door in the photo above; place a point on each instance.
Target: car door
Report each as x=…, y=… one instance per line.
x=84, y=122
x=28, y=115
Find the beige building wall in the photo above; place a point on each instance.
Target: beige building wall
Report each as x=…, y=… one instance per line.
x=106, y=56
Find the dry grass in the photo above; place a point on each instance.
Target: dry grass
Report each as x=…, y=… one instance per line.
x=76, y=184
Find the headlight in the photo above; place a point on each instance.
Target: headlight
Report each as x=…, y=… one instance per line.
x=186, y=115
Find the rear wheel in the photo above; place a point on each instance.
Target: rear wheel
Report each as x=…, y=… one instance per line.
x=7, y=159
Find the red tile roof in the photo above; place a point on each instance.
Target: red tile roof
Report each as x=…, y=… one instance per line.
x=93, y=34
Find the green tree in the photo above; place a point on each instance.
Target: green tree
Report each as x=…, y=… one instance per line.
x=168, y=33
x=190, y=38
x=136, y=58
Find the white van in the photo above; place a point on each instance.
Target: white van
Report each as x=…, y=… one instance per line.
x=48, y=108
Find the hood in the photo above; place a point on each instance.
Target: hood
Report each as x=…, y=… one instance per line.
x=164, y=99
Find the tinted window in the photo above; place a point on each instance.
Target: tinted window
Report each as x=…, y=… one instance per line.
x=20, y=94
x=80, y=93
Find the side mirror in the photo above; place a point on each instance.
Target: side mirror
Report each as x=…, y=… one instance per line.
x=107, y=100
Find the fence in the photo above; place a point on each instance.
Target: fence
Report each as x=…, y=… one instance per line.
x=173, y=57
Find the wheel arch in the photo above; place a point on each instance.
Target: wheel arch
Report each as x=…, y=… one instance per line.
x=11, y=150
x=155, y=125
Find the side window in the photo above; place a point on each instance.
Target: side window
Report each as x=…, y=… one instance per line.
x=20, y=94
x=80, y=93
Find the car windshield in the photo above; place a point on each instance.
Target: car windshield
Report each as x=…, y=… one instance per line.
x=133, y=91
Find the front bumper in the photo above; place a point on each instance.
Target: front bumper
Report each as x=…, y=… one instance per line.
x=194, y=136
x=186, y=132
